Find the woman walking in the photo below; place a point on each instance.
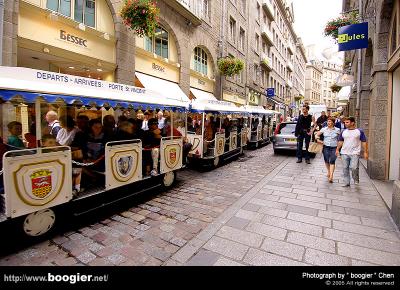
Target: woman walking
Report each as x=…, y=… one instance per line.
x=331, y=135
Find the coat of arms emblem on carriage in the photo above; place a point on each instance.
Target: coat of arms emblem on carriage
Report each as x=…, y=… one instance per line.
x=171, y=157
x=220, y=146
x=41, y=183
x=125, y=165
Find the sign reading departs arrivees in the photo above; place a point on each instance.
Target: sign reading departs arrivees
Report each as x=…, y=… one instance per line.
x=353, y=36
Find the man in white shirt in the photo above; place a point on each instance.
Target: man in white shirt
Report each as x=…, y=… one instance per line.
x=161, y=120
x=145, y=124
x=350, y=142
x=53, y=123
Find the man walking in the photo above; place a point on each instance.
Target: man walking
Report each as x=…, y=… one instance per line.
x=350, y=141
x=303, y=133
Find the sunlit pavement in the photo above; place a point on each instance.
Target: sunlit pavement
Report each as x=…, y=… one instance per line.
x=152, y=232
x=262, y=209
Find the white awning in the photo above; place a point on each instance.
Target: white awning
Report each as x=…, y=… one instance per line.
x=207, y=102
x=202, y=95
x=344, y=94
x=166, y=88
x=258, y=110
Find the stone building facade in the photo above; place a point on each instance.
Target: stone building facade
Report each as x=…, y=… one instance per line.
x=377, y=106
x=330, y=74
x=314, y=72
x=195, y=34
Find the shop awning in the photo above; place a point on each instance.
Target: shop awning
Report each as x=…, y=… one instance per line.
x=26, y=85
x=206, y=103
x=344, y=94
x=258, y=110
x=166, y=88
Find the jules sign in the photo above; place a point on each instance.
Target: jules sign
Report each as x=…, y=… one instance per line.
x=353, y=37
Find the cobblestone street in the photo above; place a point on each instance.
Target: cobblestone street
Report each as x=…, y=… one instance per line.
x=150, y=233
x=262, y=209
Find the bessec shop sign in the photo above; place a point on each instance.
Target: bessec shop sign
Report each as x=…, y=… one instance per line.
x=353, y=36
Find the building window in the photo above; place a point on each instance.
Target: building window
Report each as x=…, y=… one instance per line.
x=158, y=44
x=242, y=39
x=257, y=39
x=85, y=12
x=61, y=6
x=232, y=29
x=206, y=10
x=200, y=61
x=258, y=11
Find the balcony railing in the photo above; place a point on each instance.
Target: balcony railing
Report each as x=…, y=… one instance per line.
x=269, y=9
x=289, y=83
x=266, y=62
x=268, y=36
x=192, y=10
x=289, y=65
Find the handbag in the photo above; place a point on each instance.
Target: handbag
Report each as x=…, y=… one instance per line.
x=315, y=147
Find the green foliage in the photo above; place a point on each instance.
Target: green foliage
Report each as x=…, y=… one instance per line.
x=230, y=66
x=335, y=88
x=141, y=16
x=332, y=27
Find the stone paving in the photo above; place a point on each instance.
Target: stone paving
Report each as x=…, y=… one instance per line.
x=152, y=232
x=260, y=210
x=295, y=217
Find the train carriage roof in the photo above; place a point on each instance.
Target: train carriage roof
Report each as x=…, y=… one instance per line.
x=259, y=110
x=29, y=84
x=206, y=102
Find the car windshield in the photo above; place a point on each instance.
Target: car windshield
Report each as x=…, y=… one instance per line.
x=287, y=128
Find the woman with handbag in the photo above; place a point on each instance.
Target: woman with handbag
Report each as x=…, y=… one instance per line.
x=331, y=135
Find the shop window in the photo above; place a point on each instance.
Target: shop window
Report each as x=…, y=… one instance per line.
x=200, y=61
x=85, y=12
x=61, y=6
x=158, y=44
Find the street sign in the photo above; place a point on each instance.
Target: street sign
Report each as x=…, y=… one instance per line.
x=353, y=36
x=270, y=92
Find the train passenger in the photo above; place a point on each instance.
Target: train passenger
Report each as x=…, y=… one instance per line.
x=53, y=124
x=151, y=143
x=49, y=140
x=176, y=133
x=137, y=131
x=66, y=134
x=145, y=125
x=109, y=128
x=82, y=122
x=31, y=136
x=190, y=126
x=161, y=120
x=14, y=141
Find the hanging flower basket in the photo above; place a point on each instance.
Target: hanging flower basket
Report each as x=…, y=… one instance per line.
x=332, y=27
x=230, y=66
x=141, y=16
x=335, y=88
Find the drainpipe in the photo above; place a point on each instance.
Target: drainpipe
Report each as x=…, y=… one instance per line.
x=359, y=65
x=222, y=44
x=1, y=30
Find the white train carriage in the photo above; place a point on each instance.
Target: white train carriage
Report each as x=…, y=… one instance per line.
x=225, y=142
x=260, y=125
x=37, y=181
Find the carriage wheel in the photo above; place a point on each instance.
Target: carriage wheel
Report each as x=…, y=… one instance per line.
x=39, y=223
x=169, y=179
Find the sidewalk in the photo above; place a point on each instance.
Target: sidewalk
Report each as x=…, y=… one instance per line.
x=295, y=217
